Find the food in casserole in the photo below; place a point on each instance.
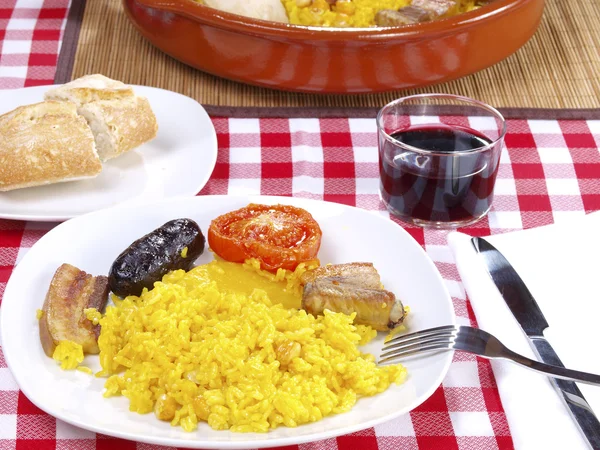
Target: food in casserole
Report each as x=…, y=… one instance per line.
x=347, y=13
x=258, y=9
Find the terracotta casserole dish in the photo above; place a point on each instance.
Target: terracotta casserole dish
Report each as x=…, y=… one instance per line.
x=313, y=59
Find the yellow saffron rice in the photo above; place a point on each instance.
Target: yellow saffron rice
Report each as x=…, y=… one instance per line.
x=69, y=354
x=93, y=315
x=350, y=13
x=85, y=369
x=193, y=350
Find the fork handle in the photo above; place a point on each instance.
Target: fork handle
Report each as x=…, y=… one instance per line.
x=561, y=373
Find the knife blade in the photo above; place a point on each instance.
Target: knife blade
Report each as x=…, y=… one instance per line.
x=531, y=319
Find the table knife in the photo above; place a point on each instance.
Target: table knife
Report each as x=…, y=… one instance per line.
x=529, y=316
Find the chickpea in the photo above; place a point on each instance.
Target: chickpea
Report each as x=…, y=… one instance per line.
x=287, y=351
x=341, y=20
x=201, y=408
x=318, y=6
x=345, y=7
x=165, y=407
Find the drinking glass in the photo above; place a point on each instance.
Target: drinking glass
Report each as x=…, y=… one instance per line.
x=438, y=159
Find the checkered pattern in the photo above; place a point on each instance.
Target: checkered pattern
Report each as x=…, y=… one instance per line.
x=30, y=36
x=549, y=171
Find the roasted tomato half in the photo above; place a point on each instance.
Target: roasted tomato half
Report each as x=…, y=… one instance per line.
x=279, y=236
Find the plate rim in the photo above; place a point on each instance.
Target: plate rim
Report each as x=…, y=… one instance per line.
x=234, y=445
x=63, y=217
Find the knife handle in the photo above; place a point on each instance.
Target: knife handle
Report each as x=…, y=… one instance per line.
x=571, y=395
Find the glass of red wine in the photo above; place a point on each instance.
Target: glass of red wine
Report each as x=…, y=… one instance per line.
x=438, y=159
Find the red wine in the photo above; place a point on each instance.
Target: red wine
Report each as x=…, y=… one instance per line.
x=442, y=138
x=445, y=186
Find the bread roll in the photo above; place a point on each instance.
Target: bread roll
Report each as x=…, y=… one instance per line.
x=120, y=120
x=45, y=143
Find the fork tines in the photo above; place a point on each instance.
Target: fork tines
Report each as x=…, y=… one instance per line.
x=438, y=338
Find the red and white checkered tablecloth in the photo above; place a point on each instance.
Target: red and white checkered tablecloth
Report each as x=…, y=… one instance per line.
x=30, y=36
x=550, y=170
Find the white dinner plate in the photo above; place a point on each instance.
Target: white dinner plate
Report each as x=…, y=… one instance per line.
x=178, y=162
x=91, y=243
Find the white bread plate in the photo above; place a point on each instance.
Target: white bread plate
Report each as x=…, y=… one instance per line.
x=178, y=162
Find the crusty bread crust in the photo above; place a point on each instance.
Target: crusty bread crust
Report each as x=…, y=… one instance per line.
x=120, y=125
x=90, y=88
x=45, y=143
x=95, y=81
x=81, y=96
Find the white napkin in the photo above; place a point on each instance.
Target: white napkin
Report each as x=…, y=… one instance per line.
x=560, y=264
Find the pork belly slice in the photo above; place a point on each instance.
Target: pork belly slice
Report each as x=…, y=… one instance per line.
x=63, y=318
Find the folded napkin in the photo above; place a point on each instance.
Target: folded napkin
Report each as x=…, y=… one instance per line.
x=560, y=264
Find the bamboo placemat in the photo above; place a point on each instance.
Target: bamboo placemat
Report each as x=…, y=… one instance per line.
x=557, y=68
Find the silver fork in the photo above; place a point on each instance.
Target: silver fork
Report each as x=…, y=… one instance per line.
x=472, y=340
